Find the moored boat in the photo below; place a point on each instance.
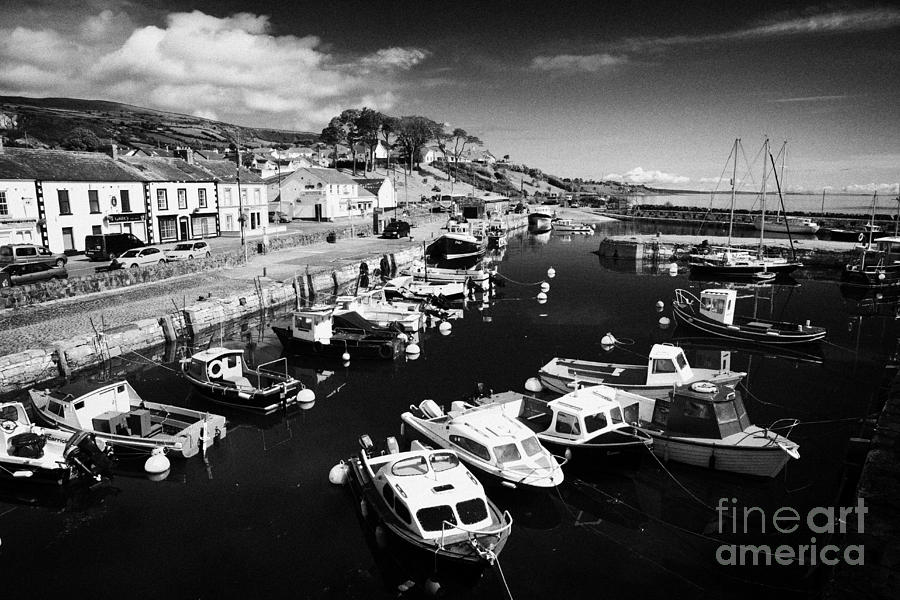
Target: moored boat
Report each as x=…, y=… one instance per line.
x=312, y=331
x=786, y=224
x=29, y=453
x=428, y=500
x=373, y=305
x=119, y=417
x=408, y=287
x=222, y=375
x=488, y=440
x=714, y=313
x=539, y=222
x=706, y=425
x=570, y=226
x=666, y=366
x=454, y=251
x=877, y=267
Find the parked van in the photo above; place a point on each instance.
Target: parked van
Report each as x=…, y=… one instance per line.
x=110, y=245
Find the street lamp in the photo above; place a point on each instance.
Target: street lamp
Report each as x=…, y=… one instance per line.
x=241, y=204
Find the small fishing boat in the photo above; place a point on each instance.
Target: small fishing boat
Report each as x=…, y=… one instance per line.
x=120, y=418
x=374, y=305
x=539, y=222
x=877, y=267
x=476, y=276
x=428, y=500
x=496, y=234
x=312, y=331
x=454, y=251
x=488, y=440
x=44, y=455
x=570, y=226
x=582, y=423
x=706, y=425
x=713, y=313
x=666, y=367
x=222, y=375
x=407, y=287
x=786, y=224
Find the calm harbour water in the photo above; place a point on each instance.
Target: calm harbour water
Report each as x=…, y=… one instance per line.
x=258, y=517
x=794, y=203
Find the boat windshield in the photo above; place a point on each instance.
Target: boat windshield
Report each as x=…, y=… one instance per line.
x=410, y=466
x=432, y=518
x=616, y=415
x=472, y=511
x=507, y=453
x=443, y=461
x=595, y=422
x=9, y=413
x=532, y=446
x=681, y=360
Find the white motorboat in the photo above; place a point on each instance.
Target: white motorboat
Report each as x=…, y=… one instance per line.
x=429, y=500
x=488, y=440
x=666, y=367
x=706, y=425
x=375, y=306
x=570, y=226
x=786, y=224
x=408, y=287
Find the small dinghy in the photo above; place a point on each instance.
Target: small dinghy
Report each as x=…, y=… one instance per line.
x=222, y=375
x=488, y=440
x=430, y=501
x=43, y=455
x=117, y=416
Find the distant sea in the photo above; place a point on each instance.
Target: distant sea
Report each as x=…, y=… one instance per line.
x=794, y=203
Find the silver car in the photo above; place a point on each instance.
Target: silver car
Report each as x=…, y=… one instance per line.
x=138, y=257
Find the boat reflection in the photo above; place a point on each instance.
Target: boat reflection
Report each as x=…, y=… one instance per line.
x=74, y=498
x=638, y=265
x=712, y=350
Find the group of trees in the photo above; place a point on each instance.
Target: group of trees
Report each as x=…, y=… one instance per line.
x=369, y=127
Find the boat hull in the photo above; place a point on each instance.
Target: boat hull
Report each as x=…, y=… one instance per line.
x=379, y=348
x=803, y=335
x=625, y=441
x=264, y=400
x=702, y=269
x=759, y=461
x=872, y=276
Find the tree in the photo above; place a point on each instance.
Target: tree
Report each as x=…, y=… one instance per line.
x=368, y=126
x=333, y=135
x=348, y=120
x=388, y=129
x=81, y=138
x=413, y=133
x=460, y=138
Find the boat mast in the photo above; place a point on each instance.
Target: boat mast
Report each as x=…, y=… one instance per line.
x=872, y=220
x=733, y=179
x=787, y=227
x=762, y=222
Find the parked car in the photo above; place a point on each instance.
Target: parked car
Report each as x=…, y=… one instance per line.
x=396, y=229
x=20, y=274
x=138, y=257
x=187, y=251
x=30, y=253
x=278, y=217
x=110, y=245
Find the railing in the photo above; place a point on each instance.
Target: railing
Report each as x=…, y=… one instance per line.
x=475, y=535
x=260, y=369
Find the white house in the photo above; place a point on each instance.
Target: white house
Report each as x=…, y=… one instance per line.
x=252, y=199
x=312, y=193
x=382, y=190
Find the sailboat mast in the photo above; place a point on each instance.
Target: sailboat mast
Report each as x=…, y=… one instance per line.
x=733, y=179
x=762, y=222
x=872, y=221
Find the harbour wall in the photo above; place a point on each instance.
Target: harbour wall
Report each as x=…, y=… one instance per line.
x=32, y=366
x=743, y=218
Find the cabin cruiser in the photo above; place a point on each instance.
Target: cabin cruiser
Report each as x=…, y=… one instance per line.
x=706, y=425
x=44, y=455
x=581, y=423
x=488, y=440
x=875, y=267
x=222, y=375
x=374, y=305
x=313, y=331
x=666, y=367
x=119, y=417
x=429, y=500
x=713, y=313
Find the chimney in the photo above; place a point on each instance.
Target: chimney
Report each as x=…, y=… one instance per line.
x=185, y=154
x=114, y=151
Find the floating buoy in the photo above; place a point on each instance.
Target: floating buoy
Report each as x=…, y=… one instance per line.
x=308, y=405
x=306, y=396
x=339, y=473
x=673, y=269
x=664, y=322
x=432, y=587
x=346, y=363
x=551, y=272
x=567, y=454
x=660, y=305
x=533, y=384
x=345, y=356
x=608, y=340
x=541, y=297
x=445, y=326
x=412, y=349
x=545, y=287
x=157, y=462
x=881, y=276
x=403, y=337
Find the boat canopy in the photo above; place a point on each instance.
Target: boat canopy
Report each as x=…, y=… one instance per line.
x=666, y=359
x=216, y=364
x=718, y=305
x=312, y=325
x=692, y=411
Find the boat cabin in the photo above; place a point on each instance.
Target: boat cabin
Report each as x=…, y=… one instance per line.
x=665, y=361
x=585, y=413
x=424, y=490
x=107, y=408
x=701, y=410
x=890, y=246
x=219, y=365
x=718, y=305
x=312, y=325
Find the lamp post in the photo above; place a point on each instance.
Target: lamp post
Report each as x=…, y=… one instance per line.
x=241, y=204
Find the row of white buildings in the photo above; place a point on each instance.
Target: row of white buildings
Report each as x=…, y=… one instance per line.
x=57, y=198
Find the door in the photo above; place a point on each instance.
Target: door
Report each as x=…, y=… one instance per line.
x=68, y=239
x=318, y=212
x=183, y=229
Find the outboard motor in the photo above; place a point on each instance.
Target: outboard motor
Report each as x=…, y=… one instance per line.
x=83, y=453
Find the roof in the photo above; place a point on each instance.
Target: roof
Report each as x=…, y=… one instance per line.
x=425, y=489
x=590, y=400
x=155, y=168
x=491, y=424
x=61, y=165
x=325, y=175
x=664, y=351
x=214, y=353
x=224, y=170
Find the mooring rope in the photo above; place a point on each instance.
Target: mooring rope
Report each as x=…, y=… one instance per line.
x=681, y=485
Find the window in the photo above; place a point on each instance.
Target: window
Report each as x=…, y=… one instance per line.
x=532, y=446
x=507, y=453
x=167, y=228
x=202, y=195
x=57, y=409
x=162, y=202
x=433, y=517
x=681, y=360
x=256, y=196
x=64, y=207
x=126, y=201
x=594, y=423
x=93, y=201
x=663, y=366
x=231, y=362
x=567, y=424
x=227, y=197
x=244, y=196
x=402, y=511
x=182, y=198
x=388, y=494
x=4, y=207
x=472, y=511
x=443, y=461
x=26, y=251
x=471, y=446
x=96, y=230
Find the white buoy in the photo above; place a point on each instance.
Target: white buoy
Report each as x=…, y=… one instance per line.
x=412, y=349
x=403, y=337
x=157, y=462
x=664, y=322
x=533, y=384
x=339, y=473
x=308, y=405
x=432, y=587
x=445, y=326
x=551, y=272
x=541, y=297
x=660, y=305
x=881, y=276
x=545, y=287
x=345, y=356
x=306, y=396
x=607, y=347
x=608, y=340
x=346, y=363
x=673, y=269
x=444, y=331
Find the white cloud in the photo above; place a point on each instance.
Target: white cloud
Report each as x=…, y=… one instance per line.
x=871, y=188
x=638, y=175
x=232, y=67
x=574, y=63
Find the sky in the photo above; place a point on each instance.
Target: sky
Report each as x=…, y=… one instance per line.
x=651, y=92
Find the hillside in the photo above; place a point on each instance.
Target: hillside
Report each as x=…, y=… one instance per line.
x=46, y=122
